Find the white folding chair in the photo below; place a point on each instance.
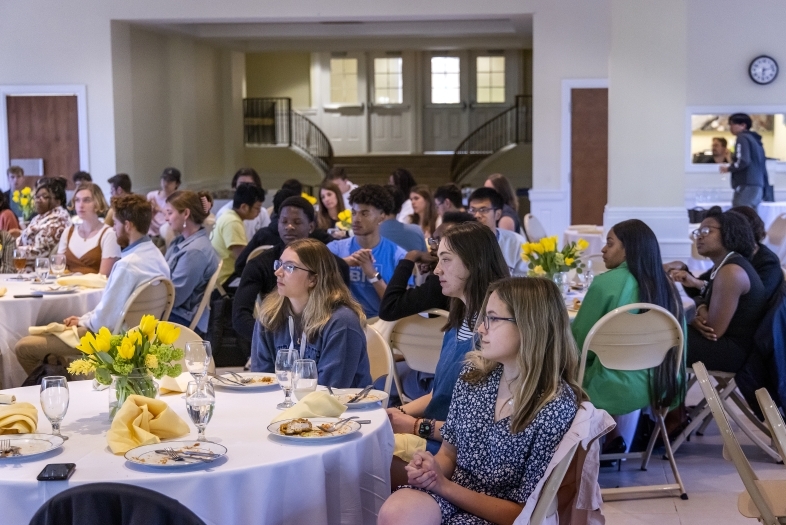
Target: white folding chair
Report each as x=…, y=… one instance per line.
x=533, y=229
x=419, y=339
x=258, y=251
x=625, y=340
x=188, y=336
x=774, y=420
x=547, y=501
x=205, y=302
x=764, y=500
x=380, y=357
x=155, y=297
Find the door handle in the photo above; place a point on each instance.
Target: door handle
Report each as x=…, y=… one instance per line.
x=463, y=105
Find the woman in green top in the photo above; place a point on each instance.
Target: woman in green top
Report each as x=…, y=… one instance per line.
x=635, y=275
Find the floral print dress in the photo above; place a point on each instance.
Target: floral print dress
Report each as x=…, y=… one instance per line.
x=43, y=233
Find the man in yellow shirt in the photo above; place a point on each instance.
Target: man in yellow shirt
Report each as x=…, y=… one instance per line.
x=229, y=235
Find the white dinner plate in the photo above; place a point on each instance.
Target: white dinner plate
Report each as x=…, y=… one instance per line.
x=32, y=444
x=55, y=290
x=373, y=398
x=258, y=380
x=146, y=454
x=347, y=429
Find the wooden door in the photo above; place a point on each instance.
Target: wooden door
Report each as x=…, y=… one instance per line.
x=45, y=127
x=445, y=112
x=589, y=155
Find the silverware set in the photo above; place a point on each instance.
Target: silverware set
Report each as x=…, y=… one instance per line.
x=360, y=395
x=7, y=450
x=226, y=380
x=182, y=455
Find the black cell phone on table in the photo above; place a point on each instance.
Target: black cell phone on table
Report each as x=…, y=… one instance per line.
x=57, y=472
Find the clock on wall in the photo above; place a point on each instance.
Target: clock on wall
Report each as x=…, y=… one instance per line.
x=763, y=69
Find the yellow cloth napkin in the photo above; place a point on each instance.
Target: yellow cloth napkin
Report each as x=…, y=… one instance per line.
x=7, y=399
x=88, y=280
x=69, y=335
x=405, y=446
x=315, y=404
x=19, y=418
x=3, y=291
x=143, y=421
x=170, y=385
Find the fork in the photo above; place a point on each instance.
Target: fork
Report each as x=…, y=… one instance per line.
x=238, y=377
x=226, y=379
x=340, y=423
x=177, y=457
x=5, y=446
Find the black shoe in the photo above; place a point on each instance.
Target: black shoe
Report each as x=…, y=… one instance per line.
x=616, y=446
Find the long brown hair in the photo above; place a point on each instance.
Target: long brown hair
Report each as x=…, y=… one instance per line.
x=323, y=217
x=428, y=222
x=505, y=189
x=480, y=254
x=191, y=200
x=547, y=355
x=329, y=292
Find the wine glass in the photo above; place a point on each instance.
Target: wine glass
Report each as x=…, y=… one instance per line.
x=57, y=263
x=200, y=402
x=54, y=401
x=562, y=282
x=304, y=377
x=285, y=364
x=42, y=268
x=20, y=261
x=197, y=356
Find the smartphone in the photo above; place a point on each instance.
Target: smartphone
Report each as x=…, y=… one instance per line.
x=57, y=472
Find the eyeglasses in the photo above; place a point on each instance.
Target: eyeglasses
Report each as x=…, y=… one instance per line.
x=481, y=211
x=702, y=232
x=289, y=267
x=42, y=197
x=433, y=242
x=488, y=319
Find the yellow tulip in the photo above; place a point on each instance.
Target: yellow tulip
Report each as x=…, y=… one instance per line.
x=539, y=271
x=167, y=333
x=24, y=201
x=102, y=341
x=312, y=200
x=582, y=245
x=26, y=190
x=569, y=260
x=126, y=349
x=135, y=336
x=87, y=344
x=526, y=248
x=148, y=326
x=537, y=247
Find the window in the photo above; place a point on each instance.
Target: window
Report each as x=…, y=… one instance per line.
x=388, y=85
x=344, y=80
x=445, y=80
x=490, y=80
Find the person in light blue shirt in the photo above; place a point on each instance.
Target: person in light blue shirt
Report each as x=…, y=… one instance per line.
x=191, y=258
x=372, y=259
x=408, y=236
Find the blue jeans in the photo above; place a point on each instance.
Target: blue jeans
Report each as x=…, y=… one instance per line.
x=747, y=196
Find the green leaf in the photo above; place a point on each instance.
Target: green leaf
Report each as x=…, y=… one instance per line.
x=103, y=376
x=106, y=358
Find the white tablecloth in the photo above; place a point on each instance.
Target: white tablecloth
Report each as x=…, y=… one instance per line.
x=261, y=480
x=594, y=237
x=769, y=211
x=17, y=315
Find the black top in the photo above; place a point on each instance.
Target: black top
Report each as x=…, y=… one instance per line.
x=768, y=266
x=509, y=211
x=399, y=302
x=259, y=280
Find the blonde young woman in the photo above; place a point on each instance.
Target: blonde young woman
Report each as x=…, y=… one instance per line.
x=91, y=246
x=425, y=211
x=513, y=403
x=328, y=324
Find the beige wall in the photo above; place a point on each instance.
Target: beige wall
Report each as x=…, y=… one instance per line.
x=284, y=74
x=275, y=165
x=515, y=164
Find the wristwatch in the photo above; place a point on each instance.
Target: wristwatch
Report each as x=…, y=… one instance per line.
x=377, y=276
x=425, y=428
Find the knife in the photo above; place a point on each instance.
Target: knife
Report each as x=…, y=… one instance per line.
x=360, y=395
x=195, y=455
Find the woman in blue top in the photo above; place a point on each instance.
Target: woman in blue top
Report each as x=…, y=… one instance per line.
x=469, y=261
x=327, y=323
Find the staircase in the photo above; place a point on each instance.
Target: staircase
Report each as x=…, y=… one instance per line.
x=432, y=170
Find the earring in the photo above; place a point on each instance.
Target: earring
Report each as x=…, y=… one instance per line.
x=185, y=224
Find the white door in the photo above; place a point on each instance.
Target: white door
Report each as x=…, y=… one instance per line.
x=343, y=95
x=391, y=97
x=493, y=85
x=446, y=108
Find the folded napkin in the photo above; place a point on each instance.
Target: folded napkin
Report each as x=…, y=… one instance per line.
x=170, y=385
x=69, y=335
x=405, y=446
x=143, y=421
x=3, y=291
x=7, y=399
x=88, y=280
x=19, y=418
x=315, y=404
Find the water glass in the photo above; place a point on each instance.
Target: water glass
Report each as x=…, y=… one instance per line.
x=54, y=401
x=304, y=377
x=200, y=402
x=42, y=267
x=57, y=263
x=562, y=282
x=285, y=365
x=197, y=356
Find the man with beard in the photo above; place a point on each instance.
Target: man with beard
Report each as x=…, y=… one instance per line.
x=140, y=261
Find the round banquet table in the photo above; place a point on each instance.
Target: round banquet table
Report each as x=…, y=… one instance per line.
x=262, y=479
x=593, y=236
x=17, y=314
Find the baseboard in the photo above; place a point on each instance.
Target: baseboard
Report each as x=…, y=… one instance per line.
x=670, y=225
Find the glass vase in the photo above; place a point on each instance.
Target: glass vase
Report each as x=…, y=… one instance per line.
x=138, y=382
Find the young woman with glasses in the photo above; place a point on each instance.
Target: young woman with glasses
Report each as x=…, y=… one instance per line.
x=513, y=403
x=313, y=311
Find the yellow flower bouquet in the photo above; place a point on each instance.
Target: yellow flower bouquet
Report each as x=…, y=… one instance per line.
x=310, y=198
x=345, y=220
x=128, y=362
x=24, y=199
x=544, y=259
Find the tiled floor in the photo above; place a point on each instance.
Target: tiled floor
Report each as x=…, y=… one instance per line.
x=712, y=483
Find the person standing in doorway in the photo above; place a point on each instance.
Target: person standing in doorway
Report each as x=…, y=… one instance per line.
x=748, y=172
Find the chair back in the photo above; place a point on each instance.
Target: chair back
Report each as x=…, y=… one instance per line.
x=154, y=297
x=419, y=339
x=625, y=340
x=547, y=501
x=533, y=229
x=597, y=264
x=731, y=447
x=205, y=302
x=776, y=234
x=380, y=357
x=774, y=420
x=258, y=250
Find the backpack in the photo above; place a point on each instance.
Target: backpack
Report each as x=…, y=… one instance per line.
x=51, y=365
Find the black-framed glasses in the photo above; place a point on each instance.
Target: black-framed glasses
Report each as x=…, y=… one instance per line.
x=289, y=267
x=481, y=211
x=488, y=319
x=702, y=232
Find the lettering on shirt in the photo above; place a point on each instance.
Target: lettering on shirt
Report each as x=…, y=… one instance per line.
x=356, y=274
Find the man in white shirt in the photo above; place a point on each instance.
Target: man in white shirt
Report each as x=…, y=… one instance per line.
x=248, y=176
x=140, y=261
x=486, y=205
x=338, y=176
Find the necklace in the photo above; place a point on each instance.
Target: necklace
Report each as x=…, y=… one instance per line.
x=86, y=235
x=715, y=271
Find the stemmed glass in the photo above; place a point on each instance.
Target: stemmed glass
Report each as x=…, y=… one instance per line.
x=42, y=268
x=20, y=261
x=197, y=356
x=57, y=263
x=304, y=377
x=200, y=402
x=561, y=280
x=54, y=401
x=285, y=364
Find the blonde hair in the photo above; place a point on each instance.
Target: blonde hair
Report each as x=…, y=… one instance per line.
x=329, y=292
x=547, y=355
x=324, y=221
x=98, y=197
